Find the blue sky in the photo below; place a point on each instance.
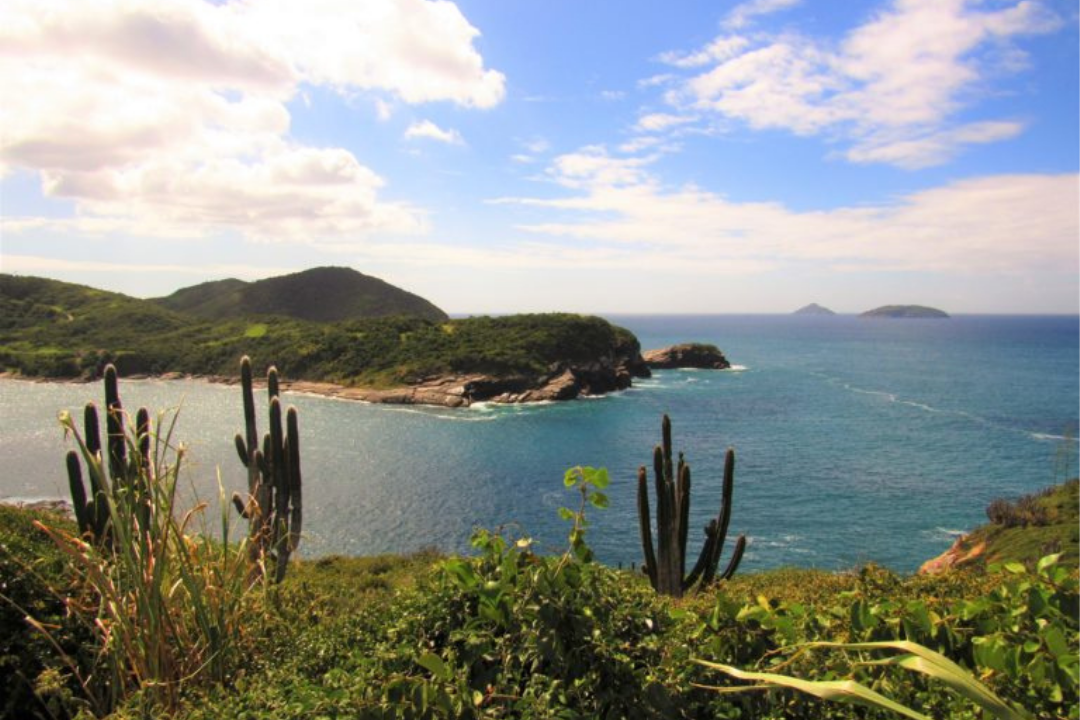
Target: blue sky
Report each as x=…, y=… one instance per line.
x=552, y=155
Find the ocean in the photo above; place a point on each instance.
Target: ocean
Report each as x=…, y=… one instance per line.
x=856, y=441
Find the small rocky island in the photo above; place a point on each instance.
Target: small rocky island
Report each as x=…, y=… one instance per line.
x=814, y=309
x=906, y=312
x=700, y=356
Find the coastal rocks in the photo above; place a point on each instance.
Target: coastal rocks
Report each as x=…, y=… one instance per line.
x=687, y=355
x=959, y=554
x=562, y=381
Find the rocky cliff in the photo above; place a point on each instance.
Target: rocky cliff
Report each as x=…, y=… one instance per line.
x=687, y=355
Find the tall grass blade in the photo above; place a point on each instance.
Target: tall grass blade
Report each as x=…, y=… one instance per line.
x=831, y=690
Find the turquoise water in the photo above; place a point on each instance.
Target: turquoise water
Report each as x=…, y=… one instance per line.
x=856, y=440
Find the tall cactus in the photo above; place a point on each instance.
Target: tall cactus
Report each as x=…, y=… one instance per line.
x=125, y=475
x=666, y=564
x=274, y=504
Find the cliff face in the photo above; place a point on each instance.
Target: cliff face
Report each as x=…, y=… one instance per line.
x=562, y=381
x=608, y=371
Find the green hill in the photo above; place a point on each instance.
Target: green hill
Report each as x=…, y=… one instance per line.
x=56, y=329
x=324, y=294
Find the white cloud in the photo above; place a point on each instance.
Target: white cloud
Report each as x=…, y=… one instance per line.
x=1010, y=224
x=658, y=122
x=430, y=131
x=744, y=13
x=891, y=88
x=170, y=116
x=35, y=264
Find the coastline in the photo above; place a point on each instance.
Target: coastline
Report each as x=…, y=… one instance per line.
x=449, y=391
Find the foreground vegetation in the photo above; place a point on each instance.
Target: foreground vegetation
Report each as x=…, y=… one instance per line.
x=509, y=633
x=52, y=329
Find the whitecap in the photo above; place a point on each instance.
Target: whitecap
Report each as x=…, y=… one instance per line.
x=1046, y=436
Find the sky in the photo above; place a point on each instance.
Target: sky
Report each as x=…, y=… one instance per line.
x=609, y=156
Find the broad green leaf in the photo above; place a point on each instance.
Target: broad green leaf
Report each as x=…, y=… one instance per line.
x=598, y=499
x=571, y=477
x=435, y=665
x=1047, y=561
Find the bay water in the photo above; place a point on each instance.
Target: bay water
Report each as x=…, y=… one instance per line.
x=856, y=440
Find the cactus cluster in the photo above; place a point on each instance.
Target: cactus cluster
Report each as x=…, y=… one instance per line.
x=274, y=504
x=666, y=564
x=128, y=473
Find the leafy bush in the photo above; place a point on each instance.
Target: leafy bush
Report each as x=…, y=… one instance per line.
x=35, y=582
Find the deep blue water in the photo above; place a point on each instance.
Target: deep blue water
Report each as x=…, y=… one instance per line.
x=856, y=440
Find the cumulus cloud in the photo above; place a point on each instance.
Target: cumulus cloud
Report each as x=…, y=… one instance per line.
x=1009, y=224
x=891, y=89
x=430, y=131
x=171, y=116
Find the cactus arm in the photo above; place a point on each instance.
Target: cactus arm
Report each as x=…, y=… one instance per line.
x=78, y=492
x=723, y=518
x=707, y=551
x=97, y=509
x=296, y=498
x=683, y=492
x=238, y=503
x=142, y=432
x=241, y=449
x=92, y=429
x=663, y=524
x=645, y=523
x=279, y=493
x=273, y=388
x=140, y=476
x=736, y=558
x=114, y=424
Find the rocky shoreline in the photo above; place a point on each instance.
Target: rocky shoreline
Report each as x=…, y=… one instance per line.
x=562, y=381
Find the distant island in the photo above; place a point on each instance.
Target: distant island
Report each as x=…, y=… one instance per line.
x=905, y=311
x=331, y=331
x=813, y=309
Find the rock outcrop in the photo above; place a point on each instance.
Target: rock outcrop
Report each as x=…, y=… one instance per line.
x=687, y=355
x=561, y=381
x=959, y=554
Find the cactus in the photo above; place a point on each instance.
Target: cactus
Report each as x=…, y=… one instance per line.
x=666, y=564
x=274, y=503
x=125, y=475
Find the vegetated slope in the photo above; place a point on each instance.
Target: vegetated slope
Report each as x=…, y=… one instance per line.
x=64, y=330
x=1032, y=526
x=905, y=311
x=50, y=328
x=323, y=294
